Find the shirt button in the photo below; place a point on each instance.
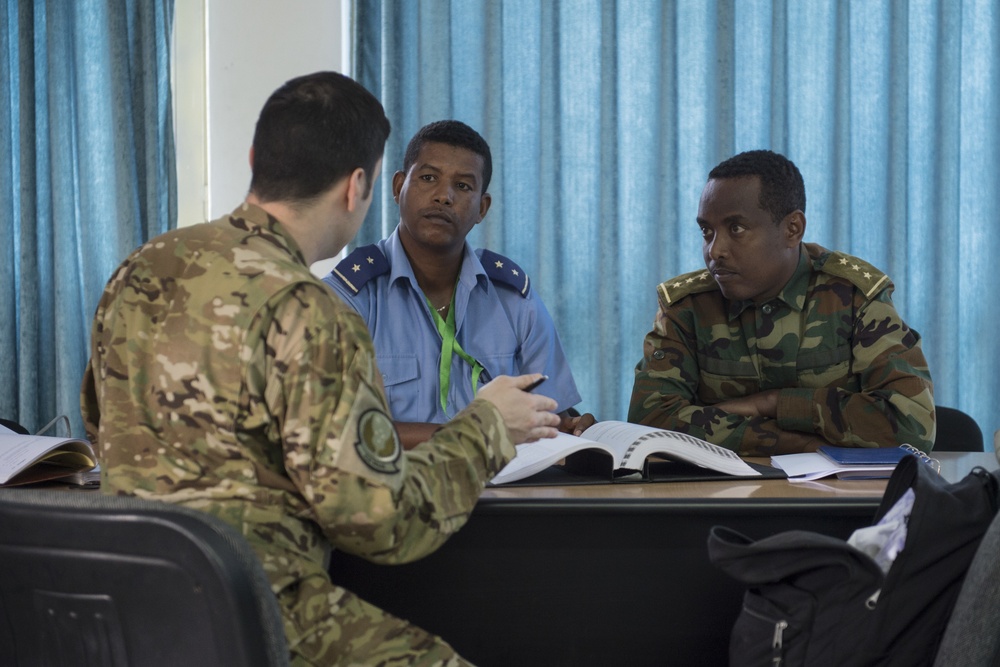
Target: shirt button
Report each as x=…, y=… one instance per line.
x=768, y=309
x=659, y=354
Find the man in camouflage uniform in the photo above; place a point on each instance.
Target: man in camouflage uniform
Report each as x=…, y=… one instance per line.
x=225, y=377
x=780, y=346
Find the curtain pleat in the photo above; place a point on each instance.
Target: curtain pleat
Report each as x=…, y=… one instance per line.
x=605, y=117
x=87, y=175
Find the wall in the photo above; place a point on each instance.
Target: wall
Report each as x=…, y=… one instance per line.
x=229, y=55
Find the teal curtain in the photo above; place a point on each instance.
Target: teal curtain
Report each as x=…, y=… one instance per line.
x=605, y=117
x=86, y=175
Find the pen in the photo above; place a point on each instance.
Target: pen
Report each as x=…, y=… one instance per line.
x=533, y=385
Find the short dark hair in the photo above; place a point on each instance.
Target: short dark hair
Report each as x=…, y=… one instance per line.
x=453, y=133
x=312, y=132
x=781, y=188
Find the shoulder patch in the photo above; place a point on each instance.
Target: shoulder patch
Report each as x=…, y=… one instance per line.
x=677, y=288
x=365, y=263
x=860, y=273
x=503, y=270
x=378, y=443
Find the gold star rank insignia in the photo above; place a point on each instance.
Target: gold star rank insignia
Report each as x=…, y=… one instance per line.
x=869, y=279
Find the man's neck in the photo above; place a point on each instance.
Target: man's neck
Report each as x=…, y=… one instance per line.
x=436, y=270
x=308, y=226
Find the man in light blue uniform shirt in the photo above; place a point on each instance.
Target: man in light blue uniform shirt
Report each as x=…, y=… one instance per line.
x=446, y=319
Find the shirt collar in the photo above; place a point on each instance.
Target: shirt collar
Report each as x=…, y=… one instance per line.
x=471, y=273
x=269, y=227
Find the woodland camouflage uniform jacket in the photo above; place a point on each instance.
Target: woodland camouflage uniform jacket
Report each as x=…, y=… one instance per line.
x=848, y=368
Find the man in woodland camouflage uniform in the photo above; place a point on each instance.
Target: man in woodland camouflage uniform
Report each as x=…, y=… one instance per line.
x=225, y=377
x=780, y=346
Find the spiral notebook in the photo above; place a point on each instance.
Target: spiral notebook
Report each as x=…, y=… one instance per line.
x=615, y=451
x=852, y=456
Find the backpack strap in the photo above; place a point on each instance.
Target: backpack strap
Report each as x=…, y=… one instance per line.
x=503, y=270
x=365, y=263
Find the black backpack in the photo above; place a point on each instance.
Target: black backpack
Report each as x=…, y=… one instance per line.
x=816, y=600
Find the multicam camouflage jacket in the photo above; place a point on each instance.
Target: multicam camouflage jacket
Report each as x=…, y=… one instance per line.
x=226, y=377
x=848, y=368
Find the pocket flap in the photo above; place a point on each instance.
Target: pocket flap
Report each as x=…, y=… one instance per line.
x=397, y=368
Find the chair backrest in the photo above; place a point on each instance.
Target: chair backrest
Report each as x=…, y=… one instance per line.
x=971, y=638
x=13, y=426
x=957, y=432
x=88, y=579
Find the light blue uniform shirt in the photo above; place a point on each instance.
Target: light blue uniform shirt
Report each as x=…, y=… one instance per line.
x=507, y=333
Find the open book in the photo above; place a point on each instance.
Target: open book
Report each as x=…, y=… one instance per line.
x=25, y=459
x=621, y=450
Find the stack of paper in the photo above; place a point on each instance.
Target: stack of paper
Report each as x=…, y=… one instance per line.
x=844, y=462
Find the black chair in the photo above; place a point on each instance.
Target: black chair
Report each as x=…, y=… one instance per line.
x=957, y=432
x=13, y=426
x=87, y=579
x=971, y=638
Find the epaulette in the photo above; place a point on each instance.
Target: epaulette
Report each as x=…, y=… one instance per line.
x=360, y=266
x=503, y=270
x=677, y=288
x=858, y=272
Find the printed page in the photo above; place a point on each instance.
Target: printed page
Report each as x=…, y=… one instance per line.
x=809, y=466
x=534, y=457
x=18, y=452
x=642, y=441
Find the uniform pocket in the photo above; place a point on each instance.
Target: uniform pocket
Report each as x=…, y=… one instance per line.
x=400, y=372
x=397, y=369
x=769, y=634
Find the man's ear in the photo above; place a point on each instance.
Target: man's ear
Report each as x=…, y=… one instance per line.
x=251, y=158
x=356, y=186
x=484, y=206
x=397, y=184
x=795, y=227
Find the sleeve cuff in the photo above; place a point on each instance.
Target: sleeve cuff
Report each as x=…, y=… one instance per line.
x=497, y=441
x=797, y=409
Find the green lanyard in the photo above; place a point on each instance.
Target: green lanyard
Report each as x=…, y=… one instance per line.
x=449, y=347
